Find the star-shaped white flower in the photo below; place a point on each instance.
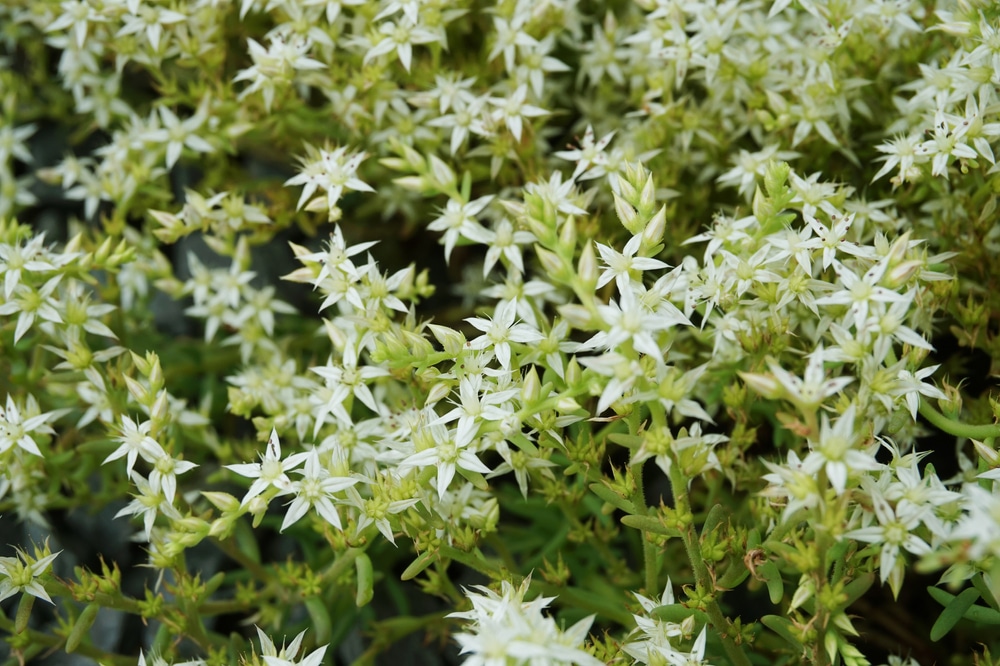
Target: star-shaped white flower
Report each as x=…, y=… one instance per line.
x=270, y=471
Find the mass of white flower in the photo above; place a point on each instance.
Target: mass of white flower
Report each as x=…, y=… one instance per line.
x=719, y=236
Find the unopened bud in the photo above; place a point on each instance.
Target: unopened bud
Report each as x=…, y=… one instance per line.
x=587, y=266
x=577, y=315
x=574, y=373
x=451, y=340
x=551, y=262
x=766, y=385
x=437, y=393
x=567, y=237
x=652, y=235
x=627, y=215
x=531, y=387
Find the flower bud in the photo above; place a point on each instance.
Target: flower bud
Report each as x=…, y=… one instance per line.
x=647, y=198
x=587, y=266
x=652, y=235
x=437, y=393
x=443, y=175
x=574, y=373
x=552, y=263
x=577, y=315
x=766, y=385
x=137, y=391
x=567, y=237
x=901, y=273
x=532, y=386
x=222, y=501
x=158, y=412
x=627, y=215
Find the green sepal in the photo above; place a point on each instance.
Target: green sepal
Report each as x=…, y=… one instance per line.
x=985, y=592
x=612, y=498
x=677, y=613
x=320, y=616
x=734, y=575
x=784, y=628
x=366, y=580
x=649, y=524
x=857, y=587
x=423, y=561
x=975, y=613
x=768, y=572
x=82, y=626
x=713, y=520
x=23, y=612
x=953, y=611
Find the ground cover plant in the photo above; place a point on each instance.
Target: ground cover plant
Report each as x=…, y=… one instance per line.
x=531, y=332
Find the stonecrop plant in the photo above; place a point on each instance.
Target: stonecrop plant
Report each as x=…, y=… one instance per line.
x=526, y=332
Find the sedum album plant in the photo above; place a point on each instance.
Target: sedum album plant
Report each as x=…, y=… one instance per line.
x=655, y=332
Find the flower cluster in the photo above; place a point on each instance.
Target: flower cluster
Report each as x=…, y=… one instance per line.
x=719, y=251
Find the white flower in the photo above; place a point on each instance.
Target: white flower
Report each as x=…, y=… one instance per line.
x=16, y=426
x=315, y=490
x=446, y=452
x=624, y=267
x=504, y=629
x=459, y=219
x=135, y=441
x=157, y=660
x=502, y=241
x=270, y=471
x=400, y=37
x=836, y=454
x=20, y=573
x=911, y=385
x=810, y=391
x=513, y=109
x=147, y=504
x=893, y=532
x=179, y=134
x=588, y=154
x=286, y=655
x=500, y=331
x=331, y=171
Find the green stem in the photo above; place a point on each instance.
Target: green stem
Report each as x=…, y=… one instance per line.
x=957, y=428
x=40, y=638
x=703, y=578
x=638, y=500
x=230, y=548
x=587, y=600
